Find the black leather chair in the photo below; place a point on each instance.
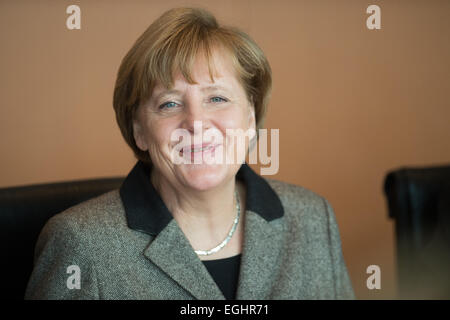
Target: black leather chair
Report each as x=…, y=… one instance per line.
x=419, y=202
x=23, y=213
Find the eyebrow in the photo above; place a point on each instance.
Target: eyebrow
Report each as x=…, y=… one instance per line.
x=164, y=93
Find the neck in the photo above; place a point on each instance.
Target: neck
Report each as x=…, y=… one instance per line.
x=196, y=211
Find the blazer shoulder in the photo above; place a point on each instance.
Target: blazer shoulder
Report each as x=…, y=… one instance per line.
x=292, y=195
x=303, y=207
x=105, y=210
x=77, y=236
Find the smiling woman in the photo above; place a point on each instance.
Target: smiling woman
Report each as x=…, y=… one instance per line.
x=193, y=230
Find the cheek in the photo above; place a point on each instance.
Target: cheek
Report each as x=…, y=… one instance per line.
x=159, y=132
x=235, y=118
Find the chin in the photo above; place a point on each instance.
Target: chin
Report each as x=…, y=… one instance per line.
x=203, y=177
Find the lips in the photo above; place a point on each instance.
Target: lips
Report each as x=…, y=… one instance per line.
x=198, y=148
x=196, y=153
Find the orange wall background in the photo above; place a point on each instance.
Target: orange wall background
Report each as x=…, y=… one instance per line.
x=350, y=103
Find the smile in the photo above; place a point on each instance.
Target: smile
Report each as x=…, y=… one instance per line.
x=206, y=147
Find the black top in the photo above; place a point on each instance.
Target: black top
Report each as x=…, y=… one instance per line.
x=225, y=273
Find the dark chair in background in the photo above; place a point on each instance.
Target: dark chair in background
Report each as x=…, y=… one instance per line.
x=23, y=213
x=419, y=202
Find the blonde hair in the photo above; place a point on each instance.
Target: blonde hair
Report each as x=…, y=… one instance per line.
x=171, y=43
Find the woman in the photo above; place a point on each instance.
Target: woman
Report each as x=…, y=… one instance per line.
x=192, y=229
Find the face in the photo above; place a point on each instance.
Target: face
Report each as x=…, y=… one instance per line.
x=199, y=109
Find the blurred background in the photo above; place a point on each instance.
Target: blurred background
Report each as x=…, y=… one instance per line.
x=351, y=103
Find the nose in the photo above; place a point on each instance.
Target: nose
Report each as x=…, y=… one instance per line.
x=194, y=115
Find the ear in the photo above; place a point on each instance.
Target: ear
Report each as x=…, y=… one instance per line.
x=251, y=117
x=139, y=136
x=252, y=125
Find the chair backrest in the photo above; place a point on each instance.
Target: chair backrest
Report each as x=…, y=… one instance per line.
x=418, y=202
x=23, y=213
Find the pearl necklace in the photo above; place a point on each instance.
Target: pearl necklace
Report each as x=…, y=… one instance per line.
x=230, y=234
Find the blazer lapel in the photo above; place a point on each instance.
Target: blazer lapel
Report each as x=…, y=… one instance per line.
x=261, y=255
x=172, y=252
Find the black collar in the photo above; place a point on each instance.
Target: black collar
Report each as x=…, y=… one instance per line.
x=146, y=212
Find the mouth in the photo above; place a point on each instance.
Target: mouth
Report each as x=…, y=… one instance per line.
x=197, y=149
x=197, y=152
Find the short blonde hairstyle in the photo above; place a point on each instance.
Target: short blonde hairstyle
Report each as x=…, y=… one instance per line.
x=171, y=44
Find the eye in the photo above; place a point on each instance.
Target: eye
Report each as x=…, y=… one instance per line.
x=168, y=105
x=218, y=99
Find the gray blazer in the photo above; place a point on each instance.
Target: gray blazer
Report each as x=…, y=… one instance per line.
x=127, y=246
